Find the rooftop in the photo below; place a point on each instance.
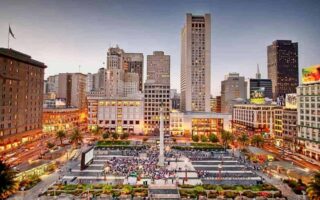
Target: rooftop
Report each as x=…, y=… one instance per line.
x=10, y=53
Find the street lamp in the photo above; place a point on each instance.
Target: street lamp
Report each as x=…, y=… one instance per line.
x=185, y=167
x=219, y=167
x=106, y=170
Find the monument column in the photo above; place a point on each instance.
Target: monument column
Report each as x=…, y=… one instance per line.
x=161, y=154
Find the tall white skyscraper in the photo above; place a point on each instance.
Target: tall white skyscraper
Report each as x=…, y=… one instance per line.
x=196, y=63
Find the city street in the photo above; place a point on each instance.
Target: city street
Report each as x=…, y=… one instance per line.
x=301, y=162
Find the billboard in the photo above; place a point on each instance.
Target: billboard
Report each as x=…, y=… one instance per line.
x=311, y=74
x=86, y=157
x=291, y=101
x=257, y=95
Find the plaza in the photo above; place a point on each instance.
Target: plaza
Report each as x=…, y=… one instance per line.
x=114, y=166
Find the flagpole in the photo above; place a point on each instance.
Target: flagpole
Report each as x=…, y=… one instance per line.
x=9, y=37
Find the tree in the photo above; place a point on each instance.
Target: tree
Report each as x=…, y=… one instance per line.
x=226, y=138
x=97, y=131
x=313, y=189
x=50, y=145
x=124, y=136
x=195, y=138
x=60, y=135
x=106, y=135
x=243, y=139
x=203, y=138
x=213, y=138
x=8, y=183
x=115, y=135
x=76, y=137
x=257, y=140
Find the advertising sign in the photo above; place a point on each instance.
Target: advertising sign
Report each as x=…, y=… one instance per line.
x=291, y=101
x=257, y=95
x=311, y=74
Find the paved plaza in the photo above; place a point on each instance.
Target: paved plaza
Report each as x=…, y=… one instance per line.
x=181, y=167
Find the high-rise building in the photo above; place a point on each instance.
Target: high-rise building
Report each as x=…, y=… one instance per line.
x=309, y=119
x=233, y=87
x=90, y=82
x=196, y=63
x=157, y=92
x=133, y=62
x=72, y=87
x=123, y=67
x=266, y=84
x=21, y=97
x=283, y=67
x=259, y=83
x=175, y=99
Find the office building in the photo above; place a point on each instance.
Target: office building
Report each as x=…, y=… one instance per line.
x=283, y=67
x=232, y=88
x=254, y=119
x=175, y=99
x=72, y=88
x=198, y=123
x=124, y=73
x=120, y=115
x=133, y=62
x=309, y=119
x=196, y=63
x=157, y=92
x=21, y=97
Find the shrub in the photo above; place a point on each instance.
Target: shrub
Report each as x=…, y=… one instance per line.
x=106, y=135
x=213, y=138
x=203, y=138
x=213, y=195
x=249, y=194
x=230, y=194
x=127, y=189
x=195, y=138
x=115, y=135
x=50, y=145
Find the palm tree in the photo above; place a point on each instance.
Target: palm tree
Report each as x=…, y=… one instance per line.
x=257, y=140
x=97, y=131
x=313, y=189
x=76, y=137
x=243, y=139
x=226, y=138
x=8, y=183
x=60, y=135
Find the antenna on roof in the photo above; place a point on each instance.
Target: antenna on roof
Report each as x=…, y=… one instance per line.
x=258, y=74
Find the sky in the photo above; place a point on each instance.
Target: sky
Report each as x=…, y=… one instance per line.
x=67, y=34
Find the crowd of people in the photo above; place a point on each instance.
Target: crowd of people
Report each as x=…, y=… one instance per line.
x=146, y=167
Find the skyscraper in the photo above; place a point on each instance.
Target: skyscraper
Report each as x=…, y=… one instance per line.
x=258, y=82
x=233, y=87
x=195, y=63
x=21, y=97
x=283, y=67
x=122, y=67
x=133, y=62
x=72, y=87
x=157, y=92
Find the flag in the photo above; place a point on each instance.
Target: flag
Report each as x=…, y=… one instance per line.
x=11, y=33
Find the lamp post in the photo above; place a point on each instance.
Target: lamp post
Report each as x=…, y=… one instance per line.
x=185, y=167
x=106, y=170
x=219, y=167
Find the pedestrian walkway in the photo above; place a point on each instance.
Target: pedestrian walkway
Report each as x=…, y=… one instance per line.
x=284, y=188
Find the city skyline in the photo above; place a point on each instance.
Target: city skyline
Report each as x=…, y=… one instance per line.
x=77, y=40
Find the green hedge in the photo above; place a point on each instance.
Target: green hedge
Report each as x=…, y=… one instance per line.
x=112, y=143
x=205, y=148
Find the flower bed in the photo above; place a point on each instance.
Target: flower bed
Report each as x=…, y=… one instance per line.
x=296, y=186
x=201, y=146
